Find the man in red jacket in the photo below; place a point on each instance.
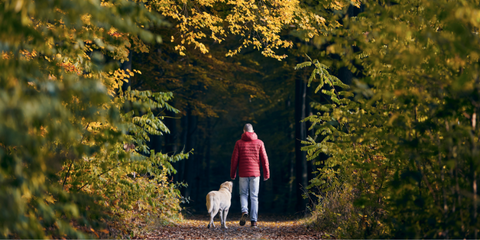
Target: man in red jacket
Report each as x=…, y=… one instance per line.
x=248, y=155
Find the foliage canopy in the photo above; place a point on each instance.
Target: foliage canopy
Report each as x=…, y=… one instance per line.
x=405, y=138
x=72, y=141
x=256, y=23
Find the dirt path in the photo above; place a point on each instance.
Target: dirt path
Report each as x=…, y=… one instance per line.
x=271, y=228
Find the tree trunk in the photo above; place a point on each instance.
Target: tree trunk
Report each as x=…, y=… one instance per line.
x=208, y=152
x=345, y=75
x=300, y=135
x=197, y=172
x=155, y=143
x=127, y=65
x=183, y=163
x=190, y=143
x=171, y=140
x=290, y=132
x=311, y=163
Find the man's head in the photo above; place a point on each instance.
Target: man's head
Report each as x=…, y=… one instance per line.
x=248, y=128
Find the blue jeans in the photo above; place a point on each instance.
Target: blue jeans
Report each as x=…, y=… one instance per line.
x=249, y=185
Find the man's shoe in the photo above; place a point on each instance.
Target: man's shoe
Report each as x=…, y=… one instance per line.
x=254, y=224
x=243, y=219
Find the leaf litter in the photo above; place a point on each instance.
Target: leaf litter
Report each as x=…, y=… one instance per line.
x=195, y=227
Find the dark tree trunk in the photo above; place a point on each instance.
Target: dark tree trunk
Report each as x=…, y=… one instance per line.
x=291, y=163
x=345, y=75
x=311, y=163
x=183, y=163
x=208, y=151
x=300, y=135
x=155, y=143
x=190, y=143
x=171, y=140
x=198, y=170
x=127, y=65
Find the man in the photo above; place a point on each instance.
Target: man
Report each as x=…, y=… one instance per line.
x=248, y=154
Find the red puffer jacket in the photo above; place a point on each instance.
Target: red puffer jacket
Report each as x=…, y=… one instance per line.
x=249, y=152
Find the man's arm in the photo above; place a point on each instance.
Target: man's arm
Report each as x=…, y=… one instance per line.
x=264, y=161
x=234, y=162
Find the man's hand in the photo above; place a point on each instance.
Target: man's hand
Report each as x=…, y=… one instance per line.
x=265, y=179
x=233, y=178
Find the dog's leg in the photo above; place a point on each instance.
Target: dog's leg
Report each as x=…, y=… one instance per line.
x=211, y=222
x=212, y=216
x=225, y=213
x=221, y=218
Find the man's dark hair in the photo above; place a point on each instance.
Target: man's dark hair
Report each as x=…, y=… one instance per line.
x=248, y=127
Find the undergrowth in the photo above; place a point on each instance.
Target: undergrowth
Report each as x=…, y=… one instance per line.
x=337, y=216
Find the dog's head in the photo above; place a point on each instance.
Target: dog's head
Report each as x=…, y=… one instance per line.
x=228, y=185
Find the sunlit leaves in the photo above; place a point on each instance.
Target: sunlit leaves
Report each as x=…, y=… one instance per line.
x=258, y=24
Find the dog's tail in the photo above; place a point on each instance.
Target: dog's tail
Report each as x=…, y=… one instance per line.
x=209, y=202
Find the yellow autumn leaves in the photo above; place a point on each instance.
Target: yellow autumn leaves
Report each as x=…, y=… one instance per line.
x=259, y=24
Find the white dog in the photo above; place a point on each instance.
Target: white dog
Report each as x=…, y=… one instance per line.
x=219, y=201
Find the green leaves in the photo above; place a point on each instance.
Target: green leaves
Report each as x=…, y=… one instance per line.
x=406, y=131
x=62, y=127
x=303, y=65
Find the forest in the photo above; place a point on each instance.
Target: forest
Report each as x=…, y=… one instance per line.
x=119, y=116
